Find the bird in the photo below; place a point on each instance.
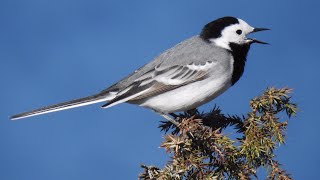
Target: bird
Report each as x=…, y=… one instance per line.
x=184, y=77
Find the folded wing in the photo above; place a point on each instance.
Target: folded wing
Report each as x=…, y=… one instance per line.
x=160, y=80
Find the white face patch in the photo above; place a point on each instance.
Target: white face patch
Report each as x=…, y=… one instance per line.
x=235, y=33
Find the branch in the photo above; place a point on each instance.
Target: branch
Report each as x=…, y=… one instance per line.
x=200, y=150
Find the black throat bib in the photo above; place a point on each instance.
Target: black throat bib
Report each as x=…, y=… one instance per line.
x=239, y=53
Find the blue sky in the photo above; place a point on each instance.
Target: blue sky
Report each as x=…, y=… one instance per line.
x=52, y=51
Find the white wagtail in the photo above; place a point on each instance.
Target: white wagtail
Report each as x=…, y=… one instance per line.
x=184, y=77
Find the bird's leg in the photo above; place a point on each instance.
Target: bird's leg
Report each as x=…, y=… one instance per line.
x=174, y=115
x=169, y=119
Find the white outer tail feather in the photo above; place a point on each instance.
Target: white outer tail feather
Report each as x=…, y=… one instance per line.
x=65, y=105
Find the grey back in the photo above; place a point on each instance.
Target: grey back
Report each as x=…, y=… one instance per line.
x=193, y=50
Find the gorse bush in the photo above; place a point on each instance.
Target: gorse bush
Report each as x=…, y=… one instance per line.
x=199, y=149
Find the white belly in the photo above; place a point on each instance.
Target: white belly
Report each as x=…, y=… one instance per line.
x=189, y=96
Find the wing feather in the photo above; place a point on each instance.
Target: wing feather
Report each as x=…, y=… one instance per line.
x=160, y=80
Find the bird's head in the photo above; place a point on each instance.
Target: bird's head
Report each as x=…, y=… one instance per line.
x=229, y=30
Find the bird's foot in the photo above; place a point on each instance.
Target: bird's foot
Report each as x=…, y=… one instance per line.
x=192, y=112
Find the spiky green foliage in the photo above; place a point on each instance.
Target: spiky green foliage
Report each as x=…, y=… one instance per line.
x=199, y=148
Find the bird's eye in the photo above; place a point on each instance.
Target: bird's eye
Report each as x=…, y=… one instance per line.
x=239, y=31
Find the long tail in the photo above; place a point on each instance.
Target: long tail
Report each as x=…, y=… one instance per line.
x=63, y=106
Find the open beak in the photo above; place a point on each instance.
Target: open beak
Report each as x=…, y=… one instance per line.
x=257, y=41
x=259, y=29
